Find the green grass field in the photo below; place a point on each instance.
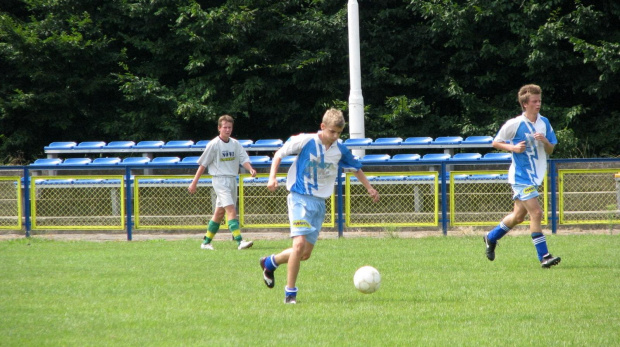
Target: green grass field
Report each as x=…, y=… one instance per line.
x=436, y=291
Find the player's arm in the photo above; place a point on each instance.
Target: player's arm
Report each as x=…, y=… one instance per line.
x=192, y=186
x=272, y=185
x=248, y=166
x=364, y=181
x=503, y=146
x=548, y=145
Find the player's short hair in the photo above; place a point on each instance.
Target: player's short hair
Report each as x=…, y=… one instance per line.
x=333, y=117
x=225, y=118
x=526, y=91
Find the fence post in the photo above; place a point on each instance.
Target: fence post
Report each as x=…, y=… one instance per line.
x=552, y=188
x=27, y=200
x=340, y=199
x=128, y=201
x=444, y=198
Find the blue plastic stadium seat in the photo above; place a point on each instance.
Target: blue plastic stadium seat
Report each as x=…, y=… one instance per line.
x=262, y=180
x=497, y=156
x=201, y=144
x=60, y=145
x=387, y=141
x=478, y=140
x=120, y=144
x=149, y=144
x=246, y=143
x=106, y=161
x=358, y=142
x=435, y=157
x=76, y=161
x=136, y=161
x=447, y=140
x=88, y=181
x=54, y=161
x=390, y=178
x=259, y=159
x=90, y=145
x=164, y=160
x=190, y=160
x=267, y=143
x=418, y=141
x=178, y=144
x=55, y=182
x=466, y=156
x=405, y=157
x=375, y=158
x=288, y=160
x=420, y=178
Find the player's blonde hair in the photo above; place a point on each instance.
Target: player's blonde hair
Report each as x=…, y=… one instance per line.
x=333, y=117
x=225, y=118
x=526, y=91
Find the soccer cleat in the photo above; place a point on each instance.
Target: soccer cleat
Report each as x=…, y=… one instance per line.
x=207, y=246
x=290, y=299
x=549, y=261
x=268, y=277
x=245, y=244
x=490, y=252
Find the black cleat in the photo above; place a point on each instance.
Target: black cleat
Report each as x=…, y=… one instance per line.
x=268, y=277
x=490, y=248
x=549, y=261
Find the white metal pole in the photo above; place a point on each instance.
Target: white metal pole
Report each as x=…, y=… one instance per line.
x=356, y=100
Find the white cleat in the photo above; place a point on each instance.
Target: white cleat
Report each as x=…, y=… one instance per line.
x=245, y=244
x=207, y=246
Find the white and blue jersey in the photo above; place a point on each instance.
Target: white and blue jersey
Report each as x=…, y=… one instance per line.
x=529, y=167
x=315, y=169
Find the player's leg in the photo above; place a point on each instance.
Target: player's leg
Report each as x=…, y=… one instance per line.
x=538, y=238
x=233, y=226
x=212, y=228
x=510, y=221
x=300, y=251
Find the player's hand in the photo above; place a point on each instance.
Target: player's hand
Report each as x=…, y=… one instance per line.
x=191, y=189
x=540, y=137
x=253, y=172
x=519, y=147
x=373, y=194
x=272, y=185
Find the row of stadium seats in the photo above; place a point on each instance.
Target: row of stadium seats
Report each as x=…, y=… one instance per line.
x=264, y=159
x=264, y=144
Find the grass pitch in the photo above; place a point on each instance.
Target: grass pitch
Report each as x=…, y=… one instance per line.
x=436, y=291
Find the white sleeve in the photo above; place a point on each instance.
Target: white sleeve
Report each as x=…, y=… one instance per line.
x=507, y=131
x=208, y=155
x=292, y=146
x=243, y=155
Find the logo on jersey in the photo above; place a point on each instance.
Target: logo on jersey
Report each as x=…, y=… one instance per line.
x=227, y=156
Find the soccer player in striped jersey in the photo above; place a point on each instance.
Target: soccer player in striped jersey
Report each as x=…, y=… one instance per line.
x=310, y=181
x=222, y=158
x=531, y=140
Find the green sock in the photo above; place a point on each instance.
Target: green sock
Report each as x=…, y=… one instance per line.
x=233, y=225
x=212, y=229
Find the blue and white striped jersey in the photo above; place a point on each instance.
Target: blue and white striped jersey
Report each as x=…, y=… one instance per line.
x=315, y=169
x=529, y=167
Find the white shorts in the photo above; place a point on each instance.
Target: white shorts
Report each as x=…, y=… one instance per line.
x=524, y=192
x=225, y=190
x=306, y=214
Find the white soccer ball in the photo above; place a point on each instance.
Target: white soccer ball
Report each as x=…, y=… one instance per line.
x=367, y=279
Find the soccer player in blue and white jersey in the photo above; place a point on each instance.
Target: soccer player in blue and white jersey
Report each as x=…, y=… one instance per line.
x=221, y=158
x=531, y=139
x=310, y=181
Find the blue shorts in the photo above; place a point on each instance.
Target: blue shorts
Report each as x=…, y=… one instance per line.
x=524, y=192
x=306, y=214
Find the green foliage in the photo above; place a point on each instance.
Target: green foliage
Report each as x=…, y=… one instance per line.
x=166, y=69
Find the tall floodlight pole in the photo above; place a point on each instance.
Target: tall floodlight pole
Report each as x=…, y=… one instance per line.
x=356, y=100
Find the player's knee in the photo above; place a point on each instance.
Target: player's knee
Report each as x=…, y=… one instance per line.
x=536, y=214
x=305, y=256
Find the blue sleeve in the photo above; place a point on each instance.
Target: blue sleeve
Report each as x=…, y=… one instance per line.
x=347, y=160
x=550, y=135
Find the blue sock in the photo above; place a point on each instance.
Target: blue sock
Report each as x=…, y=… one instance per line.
x=498, y=232
x=541, y=245
x=290, y=291
x=270, y=263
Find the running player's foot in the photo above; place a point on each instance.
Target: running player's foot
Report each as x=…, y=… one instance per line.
x=549, y=261
x=490, y=252
x=268, y=277
x=245, y=244
x=207, y=246
x=290, y=299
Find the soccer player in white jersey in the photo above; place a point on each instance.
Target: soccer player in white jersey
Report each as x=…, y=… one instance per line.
x=531, y=139
x=222, y=158
x=310, y=181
